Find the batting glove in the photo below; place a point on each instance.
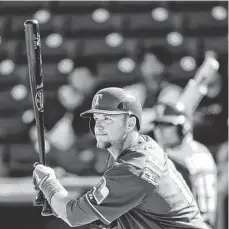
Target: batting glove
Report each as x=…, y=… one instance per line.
x=41, y=173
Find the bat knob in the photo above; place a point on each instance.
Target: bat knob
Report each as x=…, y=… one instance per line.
x=46, y=211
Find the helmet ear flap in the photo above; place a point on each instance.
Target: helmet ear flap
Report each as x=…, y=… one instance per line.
x=92, y=125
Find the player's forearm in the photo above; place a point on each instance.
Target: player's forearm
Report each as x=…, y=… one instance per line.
x=67, y=208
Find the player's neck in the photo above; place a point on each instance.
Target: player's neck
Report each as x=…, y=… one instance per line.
x=129, y=140
x=188, y=138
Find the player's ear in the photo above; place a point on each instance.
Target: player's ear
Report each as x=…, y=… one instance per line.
x=131, y=123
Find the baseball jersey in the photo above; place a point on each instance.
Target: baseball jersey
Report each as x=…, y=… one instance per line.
x=197, y=166
x=141, y=189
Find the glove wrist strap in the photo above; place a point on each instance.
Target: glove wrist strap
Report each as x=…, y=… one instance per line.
x=50, y=186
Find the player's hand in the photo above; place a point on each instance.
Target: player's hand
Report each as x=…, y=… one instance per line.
x=40, y=173
x=35, y=183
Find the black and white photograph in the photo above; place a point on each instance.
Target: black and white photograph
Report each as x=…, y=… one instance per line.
x=114, y=114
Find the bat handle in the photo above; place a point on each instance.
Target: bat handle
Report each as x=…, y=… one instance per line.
x=41, y=201
x=47, y=210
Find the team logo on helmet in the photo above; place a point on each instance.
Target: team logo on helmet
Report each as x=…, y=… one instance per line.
x=96, y=100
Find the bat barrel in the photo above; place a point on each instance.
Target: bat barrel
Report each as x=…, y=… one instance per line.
x=33, y=45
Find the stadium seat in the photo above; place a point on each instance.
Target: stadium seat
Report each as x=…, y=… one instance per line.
x=51, y=75
x=220, y=47
x=12, y=7
x=168, y=53
x=185, y=6
x=56, y=24
x=136, y=6
x=17, y=27
x=9, y=105
x=12, y=129
x=143, y=24
x=188, y=47
x=100, y=50
x=70, y=48
x=7, y=81
x=3, y=26
x=158, y=46
x=98, y=47
x=78, y=6
x=203, y=24
x=9, y=49
x=178, y=75
x=85, y=26
x=21, y=74
x=21, y=159
x=110, y=74
x=153, y=42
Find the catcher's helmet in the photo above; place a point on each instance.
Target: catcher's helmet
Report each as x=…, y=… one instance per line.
x=114, y=100
x=168, y=114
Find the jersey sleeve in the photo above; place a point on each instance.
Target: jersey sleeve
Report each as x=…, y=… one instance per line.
x=118, y=191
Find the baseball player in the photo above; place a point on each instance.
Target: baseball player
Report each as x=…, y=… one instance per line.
x=140, y=189
x=173, y=131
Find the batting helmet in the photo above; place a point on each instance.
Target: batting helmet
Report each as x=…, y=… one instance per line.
x=168, y=114
x=114, y=100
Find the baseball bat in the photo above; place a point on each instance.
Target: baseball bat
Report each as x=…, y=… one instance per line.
x=197, y=87
x=33, y=48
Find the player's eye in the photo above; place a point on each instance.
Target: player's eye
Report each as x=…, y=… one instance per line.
x=108, y=119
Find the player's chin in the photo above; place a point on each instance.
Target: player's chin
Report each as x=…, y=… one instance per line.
x=103, y=145
x=100, y=144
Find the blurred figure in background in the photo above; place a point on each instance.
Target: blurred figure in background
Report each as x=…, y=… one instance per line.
x=84, y=81
x=212, y=112
x=170, y=92
x=152, y=80
x=173, y=131
x=152, y=83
